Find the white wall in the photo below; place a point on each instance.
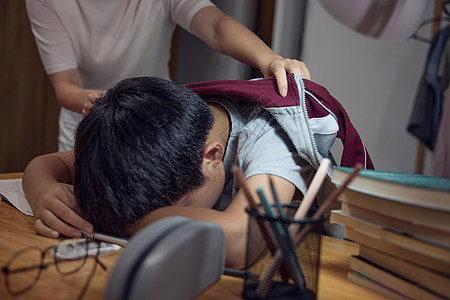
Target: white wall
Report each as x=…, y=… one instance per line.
x=375, y=80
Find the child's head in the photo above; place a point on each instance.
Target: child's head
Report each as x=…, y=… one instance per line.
x=139, y=149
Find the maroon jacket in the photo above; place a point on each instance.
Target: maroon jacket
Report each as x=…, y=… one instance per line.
x=306, y=105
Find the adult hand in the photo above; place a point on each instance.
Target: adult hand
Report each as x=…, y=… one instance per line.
x=279, y=68
x=88, y=105
x=56, y=213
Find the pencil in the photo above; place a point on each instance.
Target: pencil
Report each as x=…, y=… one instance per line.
x=312, y=190
x=276, y=199
x=254, y=207
x=284, y=242
x=264, y=285
x=310, y=195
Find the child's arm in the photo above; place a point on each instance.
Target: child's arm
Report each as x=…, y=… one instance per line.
x=47, y=183
x=234, y=220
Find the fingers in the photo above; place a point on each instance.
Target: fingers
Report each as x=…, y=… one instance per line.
x=64, y=229
x=68, y=196
x=66, y=220
x=61, y=220
x=41, y=229
x=280, y=76
x=53, y=223
x=279, y=69
x=88, y=105
x=57, y=214
x=298, y=68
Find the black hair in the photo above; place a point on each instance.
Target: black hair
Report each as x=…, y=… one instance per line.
x=137, y=150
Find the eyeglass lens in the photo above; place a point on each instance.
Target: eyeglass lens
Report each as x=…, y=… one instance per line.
x=25, y=267
x=24, y=270
x=69, y=258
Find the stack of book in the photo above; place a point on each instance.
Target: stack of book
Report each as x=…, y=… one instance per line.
x=402, y=223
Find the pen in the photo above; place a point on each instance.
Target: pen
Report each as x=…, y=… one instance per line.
x=240, y=273
x=108, y=238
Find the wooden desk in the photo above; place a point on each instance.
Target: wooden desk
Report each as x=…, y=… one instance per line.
x=17, y=232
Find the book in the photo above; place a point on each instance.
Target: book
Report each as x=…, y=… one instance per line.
x=390, y=280
x=405, y=253
x=400, y=240
x=439, y=236
x=11, y=191
x=402, y=223
x=420, y=216
x=375, y=286
x=433, y=281
x=420, y=190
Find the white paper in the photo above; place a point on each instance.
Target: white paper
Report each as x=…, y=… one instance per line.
x=11, y=190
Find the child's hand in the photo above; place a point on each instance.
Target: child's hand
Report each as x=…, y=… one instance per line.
x=278, y=69
x=55, y=213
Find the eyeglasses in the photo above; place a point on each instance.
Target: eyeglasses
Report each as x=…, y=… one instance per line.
x=23, y=269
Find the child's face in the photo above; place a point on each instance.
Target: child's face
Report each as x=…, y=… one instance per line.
x=208, y=194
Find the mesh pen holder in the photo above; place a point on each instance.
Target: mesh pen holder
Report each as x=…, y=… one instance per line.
x=297, y=277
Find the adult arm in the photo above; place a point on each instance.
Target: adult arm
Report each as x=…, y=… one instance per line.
x=47, y=183
x=70, y=92
x=57, y=55
x=228, y=36
x=234, y=220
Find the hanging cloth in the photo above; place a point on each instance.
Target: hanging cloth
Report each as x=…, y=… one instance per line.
x=441, y=157
x=426, y=113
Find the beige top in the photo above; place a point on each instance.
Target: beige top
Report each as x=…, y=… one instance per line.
x=107, y=40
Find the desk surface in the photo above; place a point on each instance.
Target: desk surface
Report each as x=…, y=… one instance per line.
x=17, y=232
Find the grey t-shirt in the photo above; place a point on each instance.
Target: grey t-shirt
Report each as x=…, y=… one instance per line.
x=258, y=145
